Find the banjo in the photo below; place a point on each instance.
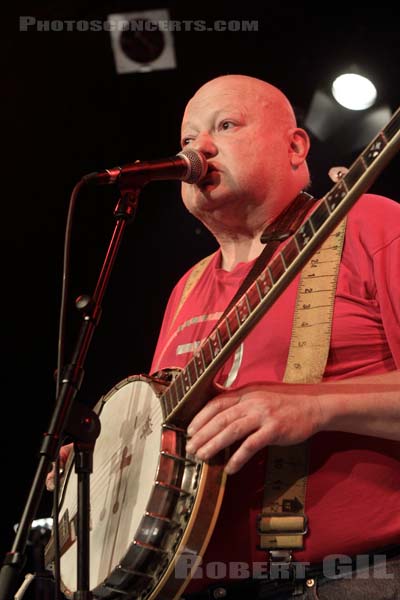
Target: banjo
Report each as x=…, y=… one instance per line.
x=153, y=506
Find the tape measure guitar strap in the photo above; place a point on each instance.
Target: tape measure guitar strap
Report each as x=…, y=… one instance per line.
x=283, y=523
x=193, y=278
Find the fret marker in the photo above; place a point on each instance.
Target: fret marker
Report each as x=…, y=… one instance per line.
x=305, y=236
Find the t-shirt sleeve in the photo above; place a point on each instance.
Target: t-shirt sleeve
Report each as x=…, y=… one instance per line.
x=386, y=264
x=380, y=235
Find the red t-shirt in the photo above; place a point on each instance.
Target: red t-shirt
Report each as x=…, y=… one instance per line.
x=353, y=486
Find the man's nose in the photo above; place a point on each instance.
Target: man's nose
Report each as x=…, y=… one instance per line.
x=204, y=143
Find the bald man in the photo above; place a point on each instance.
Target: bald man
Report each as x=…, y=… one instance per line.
x=256, y=154
x=256, y=157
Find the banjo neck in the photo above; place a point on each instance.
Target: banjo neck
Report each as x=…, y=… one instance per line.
x=188, y=392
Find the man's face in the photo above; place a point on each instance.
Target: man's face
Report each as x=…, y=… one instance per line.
x=245, y=141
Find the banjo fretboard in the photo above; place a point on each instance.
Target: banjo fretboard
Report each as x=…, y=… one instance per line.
x=183, y=398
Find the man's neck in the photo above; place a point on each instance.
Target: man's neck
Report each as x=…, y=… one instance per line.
x=240, y=241
x=241, y=249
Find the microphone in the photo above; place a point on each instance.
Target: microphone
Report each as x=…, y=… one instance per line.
x=189, y=166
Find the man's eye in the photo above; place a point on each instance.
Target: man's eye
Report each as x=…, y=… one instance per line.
x=186, y=141
x=226, y=125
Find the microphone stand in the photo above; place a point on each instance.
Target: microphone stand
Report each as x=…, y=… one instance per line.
x=75, y=420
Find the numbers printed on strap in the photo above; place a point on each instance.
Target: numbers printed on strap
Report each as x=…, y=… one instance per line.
x=287, y=466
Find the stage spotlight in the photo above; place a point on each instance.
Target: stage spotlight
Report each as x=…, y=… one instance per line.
x=354, y=91
x=342, y=128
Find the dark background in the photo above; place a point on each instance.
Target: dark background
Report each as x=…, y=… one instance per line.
x=67, y=112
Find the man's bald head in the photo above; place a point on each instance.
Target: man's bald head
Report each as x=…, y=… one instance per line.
x=267, y=96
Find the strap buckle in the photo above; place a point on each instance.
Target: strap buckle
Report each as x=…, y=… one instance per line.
x=282, y=523
x=281, y=531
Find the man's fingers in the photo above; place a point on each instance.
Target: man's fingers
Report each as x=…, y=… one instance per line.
x=238, y=428
x=50, y=481
x=246, y=451
x=50, y=477
x=212, y=408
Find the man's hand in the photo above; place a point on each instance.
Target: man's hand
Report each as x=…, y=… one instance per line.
x=64, y=453
x=285, y=414
x=260, y=415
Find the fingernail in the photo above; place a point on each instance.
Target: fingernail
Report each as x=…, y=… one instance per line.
x=229, y=469
x=189, y=447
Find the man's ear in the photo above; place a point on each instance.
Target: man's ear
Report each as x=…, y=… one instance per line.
x=299, y=146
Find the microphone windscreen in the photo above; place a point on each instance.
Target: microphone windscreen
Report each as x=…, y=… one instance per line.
x=197, y=165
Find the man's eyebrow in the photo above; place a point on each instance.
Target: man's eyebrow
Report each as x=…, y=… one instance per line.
x=213, y=115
